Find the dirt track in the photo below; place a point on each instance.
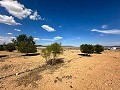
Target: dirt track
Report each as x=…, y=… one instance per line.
x=98, y=72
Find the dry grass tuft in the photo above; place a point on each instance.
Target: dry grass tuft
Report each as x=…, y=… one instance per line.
x=29, y=79
x=7, y=67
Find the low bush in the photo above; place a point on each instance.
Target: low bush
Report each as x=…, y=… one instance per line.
x=98, y=48
x=51, y=52
x=2, y=48
x=87, y=49
x=10, y=47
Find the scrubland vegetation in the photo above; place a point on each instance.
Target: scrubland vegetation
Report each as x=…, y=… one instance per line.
x=90, y=49
x=56, y=66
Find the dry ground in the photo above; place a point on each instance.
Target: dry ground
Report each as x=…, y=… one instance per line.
x=98, y=72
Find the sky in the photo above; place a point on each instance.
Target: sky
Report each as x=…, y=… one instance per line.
x=71, y=22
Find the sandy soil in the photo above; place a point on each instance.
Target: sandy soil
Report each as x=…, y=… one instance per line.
x=98, y=72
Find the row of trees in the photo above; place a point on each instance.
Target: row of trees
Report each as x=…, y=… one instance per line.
x=89, y=48
x=23, y=43
x=26, y=44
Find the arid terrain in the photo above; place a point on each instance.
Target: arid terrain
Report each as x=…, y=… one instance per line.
x=98, y=72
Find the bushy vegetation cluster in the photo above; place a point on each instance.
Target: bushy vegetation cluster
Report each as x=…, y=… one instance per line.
x=2, y=48
x=98, y=48
x=51, y=52
x=23, y=43
x=10, y=47
x=89, y=48
x=7, y=47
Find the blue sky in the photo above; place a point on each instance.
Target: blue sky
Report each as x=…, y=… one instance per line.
x=71, y=22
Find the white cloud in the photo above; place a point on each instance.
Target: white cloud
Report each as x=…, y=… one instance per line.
x=36, y=39
x=19, y=10
x=6, y=39
x=47, y=39
x=112, y=31
x=9, y=20
x=35, y=16
x=104, y=26
x=48, y=28
x=53, y=39
x=57, y=38
x=60, y=26
x=15, y=8
x=17, y=30
x=9, y=33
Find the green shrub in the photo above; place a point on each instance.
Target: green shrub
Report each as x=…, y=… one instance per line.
x=52, y=52
x=98, y=48
x=25, y=44
x=2, y=48
x=56, y=50
x=46, y=53
x=10, y=47
x=87, y=49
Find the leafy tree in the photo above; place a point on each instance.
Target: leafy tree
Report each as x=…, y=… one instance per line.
x=10, y=47
x=98, y=48
x=2, y=48
x=46, y=53
x=25, y=44
x=87, y=48
x=53, y=51
x=56, y=50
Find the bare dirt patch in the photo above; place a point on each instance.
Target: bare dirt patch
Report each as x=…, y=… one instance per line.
x=98, y=72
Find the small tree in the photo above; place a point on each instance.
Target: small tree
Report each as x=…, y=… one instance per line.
x=56, y=50
x=87, y=48
x=53, y=51
x=25, y=44
x=2, y=48
x=10, y=47
x=98, y=48
x=46, y=53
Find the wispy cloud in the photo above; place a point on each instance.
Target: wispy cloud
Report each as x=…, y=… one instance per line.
x=104, y=26
x=48, y=28
x=17, y=30
x=60, y=26
x=9, y=33
x=9, y=20
x=57, y=38
x=5, y=39
x=112, y=31
x=35, y=16
x=52, y=39
x=36, y=39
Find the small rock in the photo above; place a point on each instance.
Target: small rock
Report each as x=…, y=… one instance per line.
x=17, y=74
x=71, y=87
x=55, y=81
